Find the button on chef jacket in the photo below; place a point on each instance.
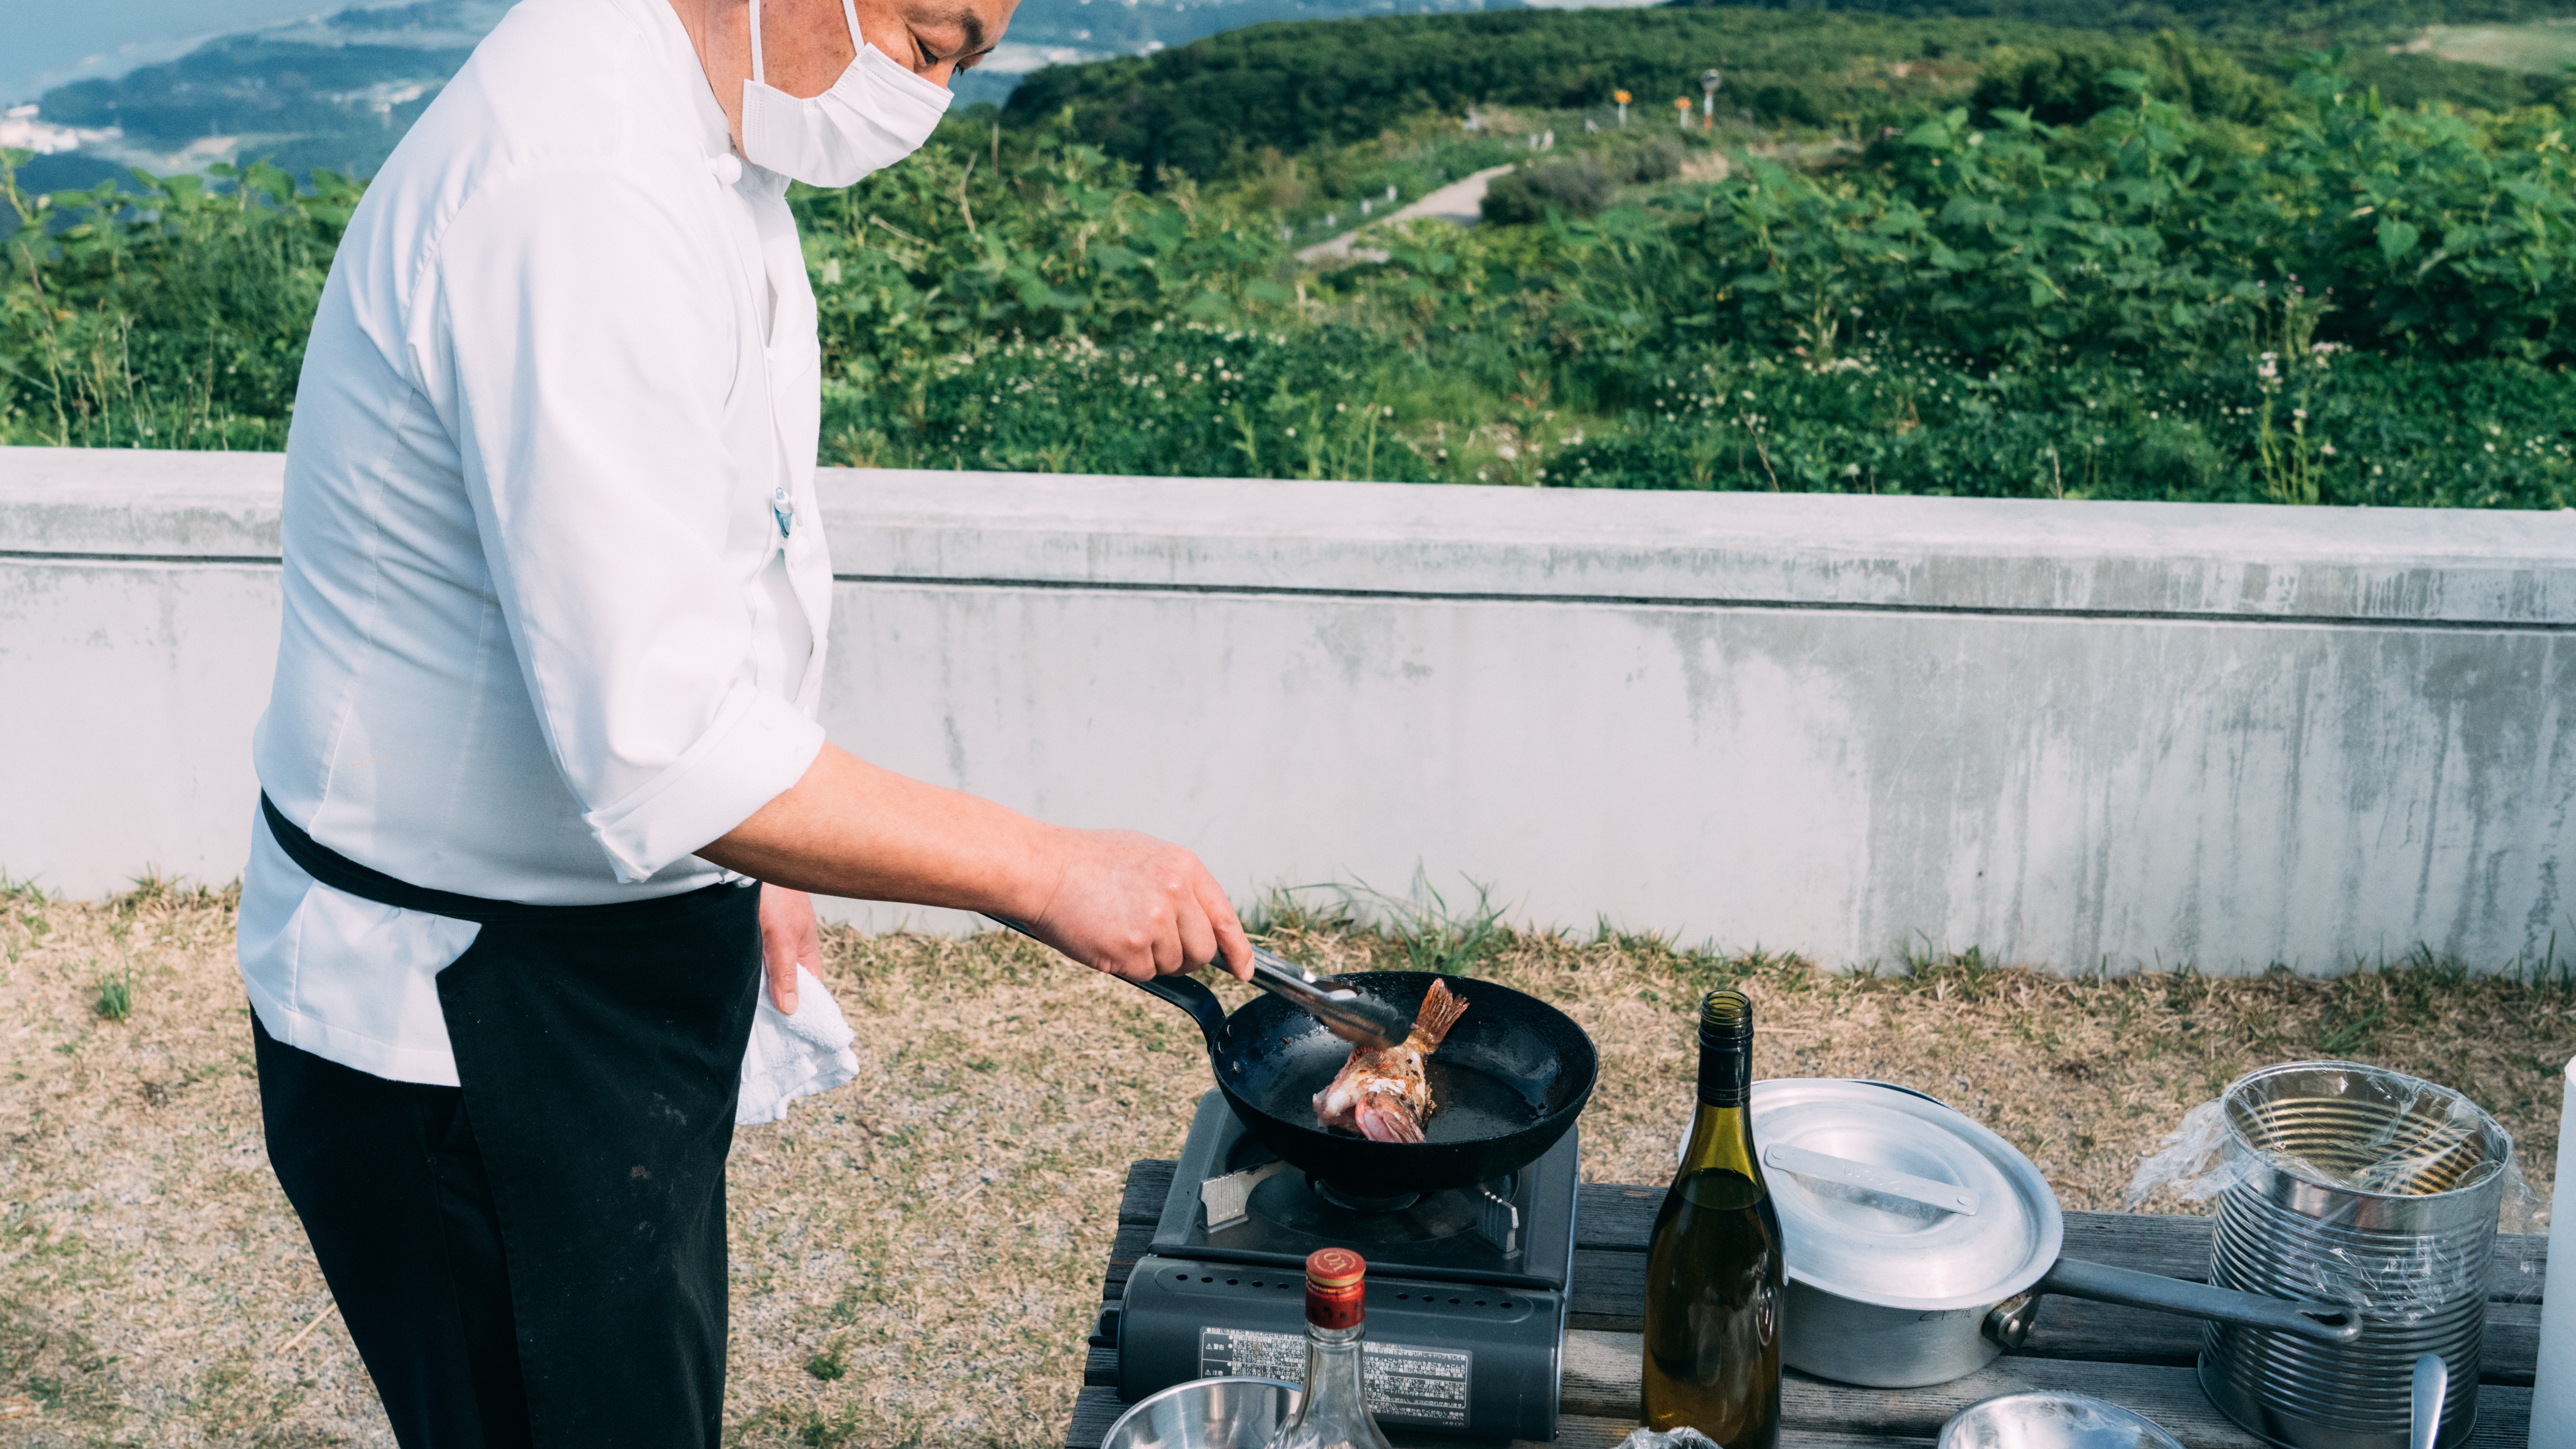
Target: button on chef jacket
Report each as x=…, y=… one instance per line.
x=551, y=623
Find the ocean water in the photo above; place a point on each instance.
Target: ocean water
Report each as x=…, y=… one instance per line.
x=51, y=44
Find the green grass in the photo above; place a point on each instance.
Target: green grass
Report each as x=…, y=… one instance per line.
x=116, y=994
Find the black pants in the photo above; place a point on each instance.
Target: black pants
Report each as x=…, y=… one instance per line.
x=390, y=1184
x=537, y=1257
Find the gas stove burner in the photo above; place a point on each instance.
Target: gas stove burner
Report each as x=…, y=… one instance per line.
x=1234, y=1199
x=1467, y=1286
x=1359, y=1202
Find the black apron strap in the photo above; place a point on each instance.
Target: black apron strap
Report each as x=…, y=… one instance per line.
x=600, y=1052
x=341, y=873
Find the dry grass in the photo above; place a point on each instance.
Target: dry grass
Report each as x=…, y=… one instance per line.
x=917, y=1255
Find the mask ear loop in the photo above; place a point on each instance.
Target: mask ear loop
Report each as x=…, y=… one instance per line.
x=758, y=73
x=858, y=42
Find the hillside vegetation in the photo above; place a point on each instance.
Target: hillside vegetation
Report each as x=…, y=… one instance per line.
x=1207, y=108
x=2037, y=263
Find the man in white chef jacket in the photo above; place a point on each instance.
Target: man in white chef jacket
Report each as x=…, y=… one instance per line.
x=543, y=786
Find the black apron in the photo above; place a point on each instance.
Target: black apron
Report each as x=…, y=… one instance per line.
x=600, y=1053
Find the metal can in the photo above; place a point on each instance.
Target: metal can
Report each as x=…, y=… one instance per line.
x=2366, y=1187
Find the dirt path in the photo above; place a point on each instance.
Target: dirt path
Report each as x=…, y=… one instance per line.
x=1460, y=203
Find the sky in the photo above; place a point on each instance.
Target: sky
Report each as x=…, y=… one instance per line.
x=50, y=42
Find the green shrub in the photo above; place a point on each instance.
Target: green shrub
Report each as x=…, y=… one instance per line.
x=1530, y=193
x=2066, y=84
x=170, y=313
x=2342, y=429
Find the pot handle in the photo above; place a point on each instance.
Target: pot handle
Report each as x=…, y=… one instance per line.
x=1186, y=992
x=2323, y=1322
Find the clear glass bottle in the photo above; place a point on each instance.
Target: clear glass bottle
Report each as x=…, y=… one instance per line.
x=1334, y=1414
x=1713, y=1267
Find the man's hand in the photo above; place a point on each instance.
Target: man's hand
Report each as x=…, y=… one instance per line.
x=788, y=939
x=1138, y=908
x=1123, y=903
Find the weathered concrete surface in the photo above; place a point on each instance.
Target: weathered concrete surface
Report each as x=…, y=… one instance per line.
x=2068, y=733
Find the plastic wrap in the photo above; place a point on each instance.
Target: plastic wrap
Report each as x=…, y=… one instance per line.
x=2388, y=1145
x=1685, y=1438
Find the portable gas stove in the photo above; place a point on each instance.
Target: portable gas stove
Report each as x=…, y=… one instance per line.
x=1467, y=1287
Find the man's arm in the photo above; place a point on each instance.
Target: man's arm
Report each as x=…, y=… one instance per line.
x=1120, y=902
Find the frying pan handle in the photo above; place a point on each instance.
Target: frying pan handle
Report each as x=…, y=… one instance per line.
x=2323, y=1322
x=1182, y=991
x=1191, y=995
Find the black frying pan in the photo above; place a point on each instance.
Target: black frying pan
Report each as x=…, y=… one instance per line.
x=1511, y=1077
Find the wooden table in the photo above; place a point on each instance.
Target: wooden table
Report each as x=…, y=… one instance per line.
x=2129, y=1356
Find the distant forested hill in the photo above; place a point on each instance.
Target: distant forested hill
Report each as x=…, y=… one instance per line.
x=2241, y=17
x=1204, y=107
x=1130, y=27
x=1209, y=108
x=338, y=90
x=2270, y=33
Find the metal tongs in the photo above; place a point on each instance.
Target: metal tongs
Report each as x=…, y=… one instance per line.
x=1355, y=1018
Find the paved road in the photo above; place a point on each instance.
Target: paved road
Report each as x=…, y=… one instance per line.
x=1458, y=202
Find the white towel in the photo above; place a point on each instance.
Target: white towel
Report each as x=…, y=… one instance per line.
x=794, y=1056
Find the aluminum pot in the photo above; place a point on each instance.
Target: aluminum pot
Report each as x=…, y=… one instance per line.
x=1918, y=1244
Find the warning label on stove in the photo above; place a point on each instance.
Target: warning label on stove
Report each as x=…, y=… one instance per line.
x=1407, y=1384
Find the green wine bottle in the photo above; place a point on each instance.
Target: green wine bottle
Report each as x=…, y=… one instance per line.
x=1713, y=1270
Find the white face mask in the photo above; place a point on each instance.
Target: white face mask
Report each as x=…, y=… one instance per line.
x=876, y=114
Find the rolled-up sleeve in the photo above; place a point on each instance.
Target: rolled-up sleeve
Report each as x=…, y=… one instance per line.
x=582, y=351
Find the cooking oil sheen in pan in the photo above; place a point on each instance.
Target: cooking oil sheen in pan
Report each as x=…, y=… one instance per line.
x=1473, y=1104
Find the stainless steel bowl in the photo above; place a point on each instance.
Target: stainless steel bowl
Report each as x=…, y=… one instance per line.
x=1205, y=1414
x=2052, y=1421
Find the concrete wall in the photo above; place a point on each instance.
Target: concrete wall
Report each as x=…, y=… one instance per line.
x=2068, y=733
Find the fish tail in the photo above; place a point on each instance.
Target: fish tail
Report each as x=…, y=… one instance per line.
x=1440, y=1011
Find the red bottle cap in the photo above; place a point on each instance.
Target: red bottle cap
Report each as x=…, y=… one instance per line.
x=1335, y=1288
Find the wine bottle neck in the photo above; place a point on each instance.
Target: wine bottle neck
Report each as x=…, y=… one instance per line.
x=1725, y=1073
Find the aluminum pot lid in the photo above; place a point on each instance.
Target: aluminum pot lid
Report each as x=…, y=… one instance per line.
x=1891, y=1198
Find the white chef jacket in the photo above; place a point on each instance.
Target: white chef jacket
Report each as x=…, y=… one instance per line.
x=556, y=588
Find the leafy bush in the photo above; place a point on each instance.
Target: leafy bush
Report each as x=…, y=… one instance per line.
x=2337, y=429
x=168, y=314
x=2142, y=229
x=2066, y=84
x=1530, y=193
